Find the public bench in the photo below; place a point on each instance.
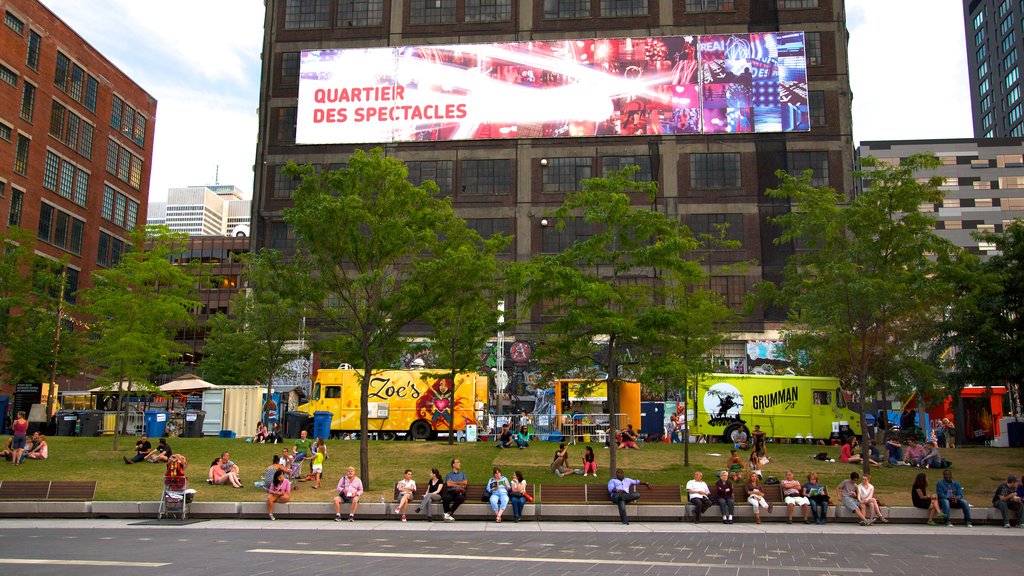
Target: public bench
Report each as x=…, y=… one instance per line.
x=47, y=490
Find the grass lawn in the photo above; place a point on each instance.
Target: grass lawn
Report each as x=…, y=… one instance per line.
x=979, y=469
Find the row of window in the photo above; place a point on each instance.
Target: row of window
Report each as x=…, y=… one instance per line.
x=708, y=171
x=119, y=208
x=73, y=80
x=110, y=250
x=123, y=164
x=316, y=14
x=60, y=229
x=71, y=129
x=128, y=120
x=66, y=179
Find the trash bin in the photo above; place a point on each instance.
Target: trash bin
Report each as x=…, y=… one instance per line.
x=66, y=422
x=156, y=423
x=193, y=424
x=322, y=424
x=295, y=422
x=1015, y=434
x=91, y=422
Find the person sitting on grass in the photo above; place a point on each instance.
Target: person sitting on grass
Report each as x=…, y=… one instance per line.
x=39, y=449
x=162, y=452
x=218, y=476
x=932, y=459
x=589, y=462
x=280, y=491
x=268, y=474
x=739, y=439
x=261, y=434
x=735, y=467
x=914, y=453
x=523, y=437
x=894, y=451
x=142, y=449
x=505, y=438
x=629, y=438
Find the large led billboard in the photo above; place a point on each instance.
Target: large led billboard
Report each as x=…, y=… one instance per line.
x=555, y=89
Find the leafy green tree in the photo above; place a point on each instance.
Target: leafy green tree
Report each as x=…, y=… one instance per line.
x=16, y=259
x=257, y=339
x=622, y=290
x=983, y=331
x=468, y=316
x=865, y=291
x=362, y=232
x=137, y=307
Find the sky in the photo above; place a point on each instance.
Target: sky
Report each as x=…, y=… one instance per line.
x=908, y=73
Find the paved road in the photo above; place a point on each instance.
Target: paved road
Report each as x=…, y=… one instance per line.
x=376, y=548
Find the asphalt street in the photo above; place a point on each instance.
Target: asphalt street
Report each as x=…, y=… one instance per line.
x=379, y=548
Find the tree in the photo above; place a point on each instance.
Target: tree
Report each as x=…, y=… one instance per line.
x=137, y=307
x=362, y=232
x=256, y=340
x=865, y=291
x=622, y=286
x=983, y=331
x=463, y=321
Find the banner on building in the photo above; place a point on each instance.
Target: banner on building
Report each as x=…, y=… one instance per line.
x=555, y=89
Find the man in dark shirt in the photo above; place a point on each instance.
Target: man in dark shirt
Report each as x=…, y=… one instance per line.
x=142, y=447
x=162, y=453
x=505, y=439
x=1006, y=499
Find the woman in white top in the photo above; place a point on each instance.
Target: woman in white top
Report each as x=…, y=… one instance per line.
x=406, y=492
x=866, y=496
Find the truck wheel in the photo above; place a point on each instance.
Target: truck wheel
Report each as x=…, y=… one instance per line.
x=727, y=434
x=420, y=430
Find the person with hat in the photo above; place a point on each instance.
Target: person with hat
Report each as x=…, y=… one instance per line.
x=1006, y=499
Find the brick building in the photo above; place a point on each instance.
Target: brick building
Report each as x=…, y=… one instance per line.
x=507, y=185
x=76, y=142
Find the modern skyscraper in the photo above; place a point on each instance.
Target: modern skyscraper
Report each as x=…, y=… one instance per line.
x=76, y=139
x=995, y=41
x=214, y=210
x=983, y=179
x=504, y=172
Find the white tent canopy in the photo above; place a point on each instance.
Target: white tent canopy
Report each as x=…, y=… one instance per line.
x=187, y=382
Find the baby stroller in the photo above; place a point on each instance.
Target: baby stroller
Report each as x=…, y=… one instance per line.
x=295, y=470
x=176, y=495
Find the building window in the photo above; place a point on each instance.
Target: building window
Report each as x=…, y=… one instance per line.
x=123, y=164
x=14, y=23
x=440, y=171
x=1014, y=115
x=817, y=162
x=1013, y=96
x=979, y=37
x=1004, y=8
x=8, y=75
x=1011, y=78
x=979, y=20
x=289, y=69
x=1006, y=25
x=611, y=164
x=306, y=14
x=14, y=211
x=109, y=251
x=795, y=4
x=982, y=70
x=360, y=13
x=284, y=184
x=986, y=120
x=817, y=107
x=624, y=8
x=71, y=129
x=60, y=229
x=566, y=174
x=714, y=171
x=709, y=6
x=732, y=289
x=560, y=9
x=35, y=42
x=21, y=155
x=92, y=88
x=127, y=120
x=28, y=102
x=432, y=12
x=983, y=87
x=51, y=171
x=115, y=112
x=485, y=177
x=981, y=53
x=45, y=222
x=5, y=131
x=286, y=120
x=487, y=227
x=1007, y=42
x=66, y=179
x=812, y=46
x=986, y=102
x=488, y=10
x=1009, y=60
x=554, y=240
x=710, y=227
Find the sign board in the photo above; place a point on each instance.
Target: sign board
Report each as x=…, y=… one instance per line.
x=706, y=84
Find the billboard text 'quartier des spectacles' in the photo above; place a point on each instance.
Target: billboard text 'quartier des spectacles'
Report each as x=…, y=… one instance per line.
x=555, y=89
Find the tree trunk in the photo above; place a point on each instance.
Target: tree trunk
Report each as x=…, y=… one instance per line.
x=270, y=399
x=613, y=406
x=862, y=389
x=121, y=416
x=364, y=442
x=451, y=408
x=686, y=421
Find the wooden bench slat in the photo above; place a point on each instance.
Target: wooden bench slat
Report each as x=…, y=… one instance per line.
x=563, y=494
x=46, y=490
x=66, y=490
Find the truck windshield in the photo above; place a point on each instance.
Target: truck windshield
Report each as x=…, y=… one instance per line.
x=840, y=401
x=316, y=391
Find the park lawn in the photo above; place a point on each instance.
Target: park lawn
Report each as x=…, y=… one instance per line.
x=979, y=469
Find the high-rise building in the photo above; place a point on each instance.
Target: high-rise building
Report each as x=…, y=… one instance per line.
x=994, y=42
x=505, y=177
x=214, y=210
x=983, y=179
x=76, y=139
